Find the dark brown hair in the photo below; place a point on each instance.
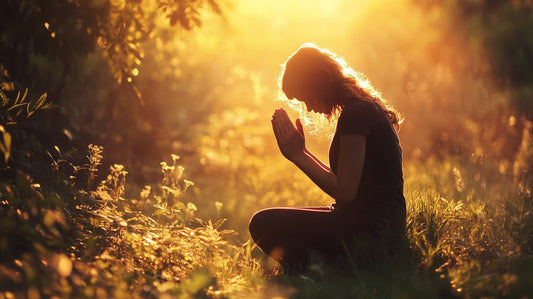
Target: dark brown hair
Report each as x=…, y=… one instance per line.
x=316, y=70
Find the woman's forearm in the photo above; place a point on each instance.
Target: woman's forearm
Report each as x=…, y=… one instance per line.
x=317, y=160
x=343, y=184
x=318, y=172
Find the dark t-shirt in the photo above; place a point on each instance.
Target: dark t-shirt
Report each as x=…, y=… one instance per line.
x=379, y=200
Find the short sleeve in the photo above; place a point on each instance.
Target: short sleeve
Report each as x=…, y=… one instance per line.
x=357, y=118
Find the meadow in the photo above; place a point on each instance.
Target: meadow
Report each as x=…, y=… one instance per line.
x=152, y=198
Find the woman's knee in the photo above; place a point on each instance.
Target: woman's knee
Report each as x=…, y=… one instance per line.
x=260, y=222
x=256, y=220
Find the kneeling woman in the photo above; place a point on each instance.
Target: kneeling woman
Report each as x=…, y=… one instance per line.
x=364, y=175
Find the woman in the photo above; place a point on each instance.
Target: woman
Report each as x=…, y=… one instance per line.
x=364, y=175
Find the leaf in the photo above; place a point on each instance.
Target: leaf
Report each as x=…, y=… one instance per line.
x=17, y=98
x=19, y=112
x=21, y=99
x=16, y=106
x=225, y=232
x=4, y=98
x=196, y=20
x=159, y=212
x=173, y=19
x=219, y=223
x=201, y=221
x=41, y=101
x=5, y=146
x=215, y=7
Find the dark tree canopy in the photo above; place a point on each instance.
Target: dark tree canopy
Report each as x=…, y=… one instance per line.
x=44, y=41
x=504, y=30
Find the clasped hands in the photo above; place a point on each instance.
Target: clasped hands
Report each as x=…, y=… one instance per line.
x=291, y=140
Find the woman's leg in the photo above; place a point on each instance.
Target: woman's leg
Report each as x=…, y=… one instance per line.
x=289, y=235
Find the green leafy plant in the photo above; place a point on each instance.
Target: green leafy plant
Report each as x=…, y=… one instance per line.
x=13, y=111
x=5, y=144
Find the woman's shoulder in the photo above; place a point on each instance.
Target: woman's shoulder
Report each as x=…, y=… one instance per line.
x=357, y=117
x=359, y=107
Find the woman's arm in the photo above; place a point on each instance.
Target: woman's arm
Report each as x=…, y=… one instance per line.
x=343, y=186
x=317, y=160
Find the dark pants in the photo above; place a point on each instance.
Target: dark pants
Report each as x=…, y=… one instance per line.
x=292, y=235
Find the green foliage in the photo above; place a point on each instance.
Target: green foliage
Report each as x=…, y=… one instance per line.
x=503, y=30
x=34, y=232
x=5, y=144
x=463, y=212
x=45, y=42
x=187, y=13
x=467, y=152
x=99, y=243
x=95, y=159
x=13, y=111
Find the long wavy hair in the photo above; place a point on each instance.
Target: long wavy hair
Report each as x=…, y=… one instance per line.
x=314, y=70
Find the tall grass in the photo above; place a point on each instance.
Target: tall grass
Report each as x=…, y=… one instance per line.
x=467, y=174
x=469, y=216
x=94, y=242
x=469, y=230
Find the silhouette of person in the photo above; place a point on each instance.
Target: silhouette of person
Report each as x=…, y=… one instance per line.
x=364, y=175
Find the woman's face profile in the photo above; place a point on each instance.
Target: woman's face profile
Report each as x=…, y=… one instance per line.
x=314, y=103
x=315, y=96
x=307, y=77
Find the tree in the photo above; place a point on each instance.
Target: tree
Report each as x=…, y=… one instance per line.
x=78, y=51
x=42, y=42
x=504, y=30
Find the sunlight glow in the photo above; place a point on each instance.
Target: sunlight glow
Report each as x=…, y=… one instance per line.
x=209, y=94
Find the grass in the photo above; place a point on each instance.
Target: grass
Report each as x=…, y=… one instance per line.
x=469, y=229
x=67, y=230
